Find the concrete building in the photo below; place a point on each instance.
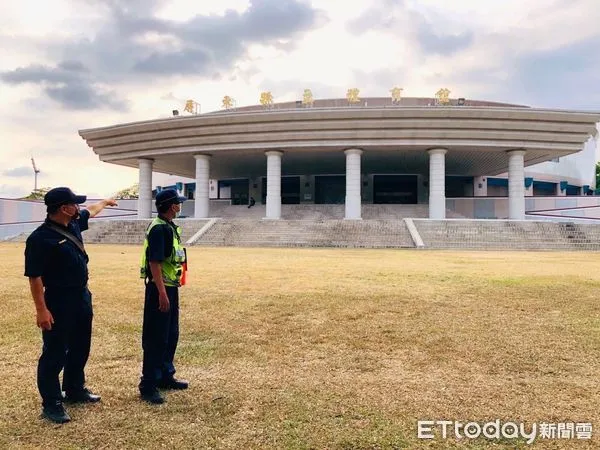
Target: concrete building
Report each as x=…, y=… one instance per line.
x=374, y=152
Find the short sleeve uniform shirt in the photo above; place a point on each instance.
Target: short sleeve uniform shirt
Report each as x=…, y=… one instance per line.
x=50, y=255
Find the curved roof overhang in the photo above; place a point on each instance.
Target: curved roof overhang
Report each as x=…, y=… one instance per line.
x=393, y=138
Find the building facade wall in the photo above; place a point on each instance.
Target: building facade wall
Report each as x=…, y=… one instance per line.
x=578, y=168
x=19, y=216
x=585, y=207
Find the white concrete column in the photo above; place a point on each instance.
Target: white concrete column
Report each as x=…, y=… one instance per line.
x=145, y=188
x=516, y=185
x=480, y=186
x=437, y=183
x=273, y=184
x=560, y=192
x=202, y=179
x=353, y=184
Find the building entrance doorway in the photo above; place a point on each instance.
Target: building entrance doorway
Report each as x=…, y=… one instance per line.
x=290, y=190
x=395, y=189
x=235, y=189
x=330, y=189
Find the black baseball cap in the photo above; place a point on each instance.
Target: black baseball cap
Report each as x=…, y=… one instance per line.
x=169, y=197
x=63, y=196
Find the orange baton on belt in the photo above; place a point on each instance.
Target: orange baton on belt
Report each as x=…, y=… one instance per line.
x=184, y=271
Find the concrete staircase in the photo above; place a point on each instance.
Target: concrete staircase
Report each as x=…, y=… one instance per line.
x=115, y=232
x=323, y=212
x=366, y=233
x=308, y=233
x=508, y=235
x=132, y=231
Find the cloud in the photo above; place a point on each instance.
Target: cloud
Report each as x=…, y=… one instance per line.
x=65, y=72
x=134, y=46
x=513, y=56
x=206, y=44
x=431, y=32
x=433, y=42
x=85, y=96
x=13, y=191
x=69, y=83
x=18, y=172
x=559, y=76
x=290, y=90
x=380, y=81
x=382, y=15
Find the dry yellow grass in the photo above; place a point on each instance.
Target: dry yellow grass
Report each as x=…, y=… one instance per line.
x=319, y=348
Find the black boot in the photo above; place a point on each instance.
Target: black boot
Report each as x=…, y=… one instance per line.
x=55, y=412
x=152, y=396
x=173, y=383
x=82, y=396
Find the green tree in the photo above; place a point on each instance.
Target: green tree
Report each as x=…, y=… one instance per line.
x=597, y=178
x=37, y=194
x=132, y=192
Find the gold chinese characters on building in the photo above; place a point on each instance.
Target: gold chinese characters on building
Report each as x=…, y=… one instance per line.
x=352, y=96
x=307, y=98
x=266, y=99
x=227, y=102
x=442, y=96
x=191, y=106
x=396, y=94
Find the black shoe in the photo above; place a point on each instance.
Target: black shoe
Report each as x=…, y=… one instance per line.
x=82, y=396
x=172, y=383
x=55, y=412
x=153, y=397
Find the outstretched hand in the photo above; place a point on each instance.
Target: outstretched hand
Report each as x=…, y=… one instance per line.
x=111, y=202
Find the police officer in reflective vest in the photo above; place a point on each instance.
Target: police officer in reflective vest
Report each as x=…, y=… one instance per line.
x=56, y=265
x=162, y=265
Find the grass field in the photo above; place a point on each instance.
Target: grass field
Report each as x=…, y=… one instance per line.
x=324, y=349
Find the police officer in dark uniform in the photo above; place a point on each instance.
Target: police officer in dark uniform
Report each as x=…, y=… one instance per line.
x=162, y=266
x=56, y=264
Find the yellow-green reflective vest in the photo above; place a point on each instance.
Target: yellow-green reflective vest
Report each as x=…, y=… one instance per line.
x=172, y=266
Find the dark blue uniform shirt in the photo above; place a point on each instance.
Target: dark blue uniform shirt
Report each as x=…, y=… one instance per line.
x=50, y=255
x=160, y=241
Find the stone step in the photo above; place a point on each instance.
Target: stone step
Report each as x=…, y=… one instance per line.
x=509, y=235
x=455, y=234
x=323, y=212
x=330, y=233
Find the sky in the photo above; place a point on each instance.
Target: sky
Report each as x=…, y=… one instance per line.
x=67, y=65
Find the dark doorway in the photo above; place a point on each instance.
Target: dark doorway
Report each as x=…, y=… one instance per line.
x=459, y=186
x=237, y=190
x=398, y=189
x=330, y=189
x=290, y=190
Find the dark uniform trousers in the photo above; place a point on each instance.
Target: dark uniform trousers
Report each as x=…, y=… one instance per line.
x=67, y=344
x=160, y=334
